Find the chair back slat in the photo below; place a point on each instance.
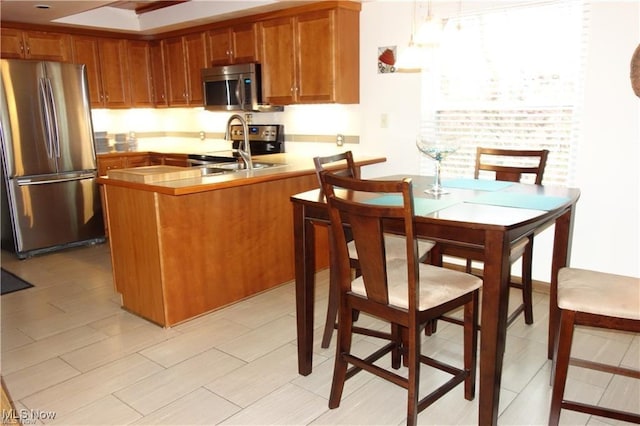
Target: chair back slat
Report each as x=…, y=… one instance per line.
x=366, y=221
x=512, y=173
x=369, y=241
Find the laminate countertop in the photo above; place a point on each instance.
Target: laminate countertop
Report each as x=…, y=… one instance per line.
x=290, y=165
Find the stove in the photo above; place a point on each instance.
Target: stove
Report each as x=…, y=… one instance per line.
x=263, y=138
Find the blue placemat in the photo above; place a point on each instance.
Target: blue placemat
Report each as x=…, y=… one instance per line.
x=523, y=201
x=422, y=206
x=476, y=184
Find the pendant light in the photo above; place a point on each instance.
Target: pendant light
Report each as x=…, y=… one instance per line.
x=409, y=60
x=430, y=31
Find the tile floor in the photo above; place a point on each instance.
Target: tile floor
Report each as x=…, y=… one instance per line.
x=69, y=349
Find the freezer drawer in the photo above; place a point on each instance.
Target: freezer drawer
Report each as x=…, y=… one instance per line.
x=47, y=215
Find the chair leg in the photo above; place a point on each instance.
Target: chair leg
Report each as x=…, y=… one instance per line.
x=470, y=345
x=431, y=327
x=435, y=259
x=332, y=307
x=345, y=334
x=413, y=384
x=561, y=364
x=334, y=295
x=527, y=286
x=396, y=354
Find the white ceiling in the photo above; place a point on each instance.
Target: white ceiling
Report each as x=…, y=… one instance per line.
x=98, y=14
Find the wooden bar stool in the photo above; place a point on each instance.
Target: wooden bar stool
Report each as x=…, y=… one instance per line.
x=593, y=299
x=402, y=291
x=511, y=166
x=342, y=164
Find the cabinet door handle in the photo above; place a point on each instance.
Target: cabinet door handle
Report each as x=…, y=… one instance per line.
x=28, y=49
x=21, y=47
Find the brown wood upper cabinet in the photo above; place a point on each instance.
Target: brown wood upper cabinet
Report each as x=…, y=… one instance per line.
x=184, y=57
x=140, y=76
x=234, y=45
x=312, y=57
x=47, y=46
x=158, y=80
x=107, y=70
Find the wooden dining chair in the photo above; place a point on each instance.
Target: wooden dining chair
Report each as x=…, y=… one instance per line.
x=592, y=299
x=402, y=291
x=512, y=166
x=342, y=164
x=523, y=162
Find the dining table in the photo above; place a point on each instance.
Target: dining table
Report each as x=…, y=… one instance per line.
x=484, y=214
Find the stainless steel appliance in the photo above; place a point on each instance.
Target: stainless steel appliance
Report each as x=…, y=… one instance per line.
x=263, y=138
x=50, y=198
x=234, y=88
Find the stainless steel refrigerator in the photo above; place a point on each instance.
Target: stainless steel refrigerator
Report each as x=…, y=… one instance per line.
x=50, y=199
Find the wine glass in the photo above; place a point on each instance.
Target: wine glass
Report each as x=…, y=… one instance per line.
x=437, y=147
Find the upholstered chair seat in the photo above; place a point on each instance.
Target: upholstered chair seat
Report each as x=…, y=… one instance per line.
x=599, y=293
x=592, y=299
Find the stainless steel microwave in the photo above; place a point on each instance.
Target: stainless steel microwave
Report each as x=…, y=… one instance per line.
x=234, y=88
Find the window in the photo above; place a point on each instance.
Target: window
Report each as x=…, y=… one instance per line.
x=509, y=78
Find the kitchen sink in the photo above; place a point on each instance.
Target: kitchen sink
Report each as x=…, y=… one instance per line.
x=222, y=168
x=212, y=171
x=242, y=166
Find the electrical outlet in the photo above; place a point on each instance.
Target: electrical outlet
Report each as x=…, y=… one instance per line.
x=203, y=136
x=339, y=139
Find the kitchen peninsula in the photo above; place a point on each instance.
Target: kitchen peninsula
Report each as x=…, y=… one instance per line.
x=182, y=248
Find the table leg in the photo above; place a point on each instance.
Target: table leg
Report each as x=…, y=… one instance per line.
x=495, y=299
x=561, y=254
x=304, y=255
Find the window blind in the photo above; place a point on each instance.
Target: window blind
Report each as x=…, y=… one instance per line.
x=509, y=78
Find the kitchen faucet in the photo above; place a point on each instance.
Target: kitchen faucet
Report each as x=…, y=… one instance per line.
x=245, y=153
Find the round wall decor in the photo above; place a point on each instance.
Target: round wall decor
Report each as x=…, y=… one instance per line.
x=635, y=71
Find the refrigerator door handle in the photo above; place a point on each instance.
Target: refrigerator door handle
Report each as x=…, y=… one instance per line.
x=54, y=179
x=44, y=105
x=54, y=120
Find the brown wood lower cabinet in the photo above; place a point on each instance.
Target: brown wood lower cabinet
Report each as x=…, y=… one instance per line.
x=108, y=162
x=179, y=256
x=112, y=161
